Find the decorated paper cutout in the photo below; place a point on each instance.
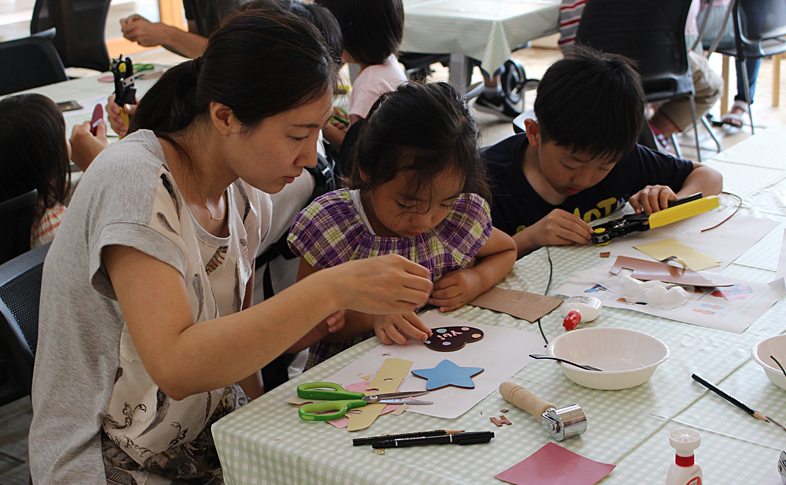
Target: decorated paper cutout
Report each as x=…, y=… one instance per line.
x=650, y=270
x=693, y=258
x=554, y=465
x=446, y=373
x=448, y=339
x=520, y=304
x=388, y=378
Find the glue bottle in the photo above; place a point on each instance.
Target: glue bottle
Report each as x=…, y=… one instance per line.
x=579, y=309
x=684, y=471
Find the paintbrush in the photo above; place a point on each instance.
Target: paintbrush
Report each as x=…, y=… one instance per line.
x=725, y=396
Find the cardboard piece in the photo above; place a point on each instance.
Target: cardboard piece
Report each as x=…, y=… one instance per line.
x=446, y=373
x=650, y=270
x=694, y=259
x=448, y=339
x=520, y=304
x=387, y=380
x=554, y=465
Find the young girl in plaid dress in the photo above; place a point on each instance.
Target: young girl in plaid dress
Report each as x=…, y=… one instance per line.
x=416, y=188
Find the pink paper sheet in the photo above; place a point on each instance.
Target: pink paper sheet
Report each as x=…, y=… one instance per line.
x=554, y=465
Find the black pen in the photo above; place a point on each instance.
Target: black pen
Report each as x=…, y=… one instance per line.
x=416, y=434
x=467, y=438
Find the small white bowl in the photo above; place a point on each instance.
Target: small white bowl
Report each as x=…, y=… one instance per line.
x=761, y=352
x=628, y=358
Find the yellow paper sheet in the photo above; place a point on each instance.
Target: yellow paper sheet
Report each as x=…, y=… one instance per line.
x=387, y=380
x=693, y=258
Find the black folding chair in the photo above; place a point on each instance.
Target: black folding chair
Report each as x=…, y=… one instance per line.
x=29, y=63
x=20, y=292
x=80, y=30
x=759, y=31
x=16, y=219
x=650, y=32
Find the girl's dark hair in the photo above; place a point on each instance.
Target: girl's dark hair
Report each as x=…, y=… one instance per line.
x=591, y=102
x=260, y=62
x=372, y=29
x=423, y=128
x=33, y=151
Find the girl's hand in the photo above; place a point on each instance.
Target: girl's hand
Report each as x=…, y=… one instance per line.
x=331, y=324
x=84, y=146
x=380, y=285
x=455, y=290
x=652, y=198
x=396, y=329
x=113, y=115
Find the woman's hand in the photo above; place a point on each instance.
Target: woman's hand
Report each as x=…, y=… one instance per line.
x=84, y=146
x=116, y=121
x=380, y=285
x=396, y=329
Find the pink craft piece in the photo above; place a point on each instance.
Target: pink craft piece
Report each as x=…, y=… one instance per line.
x=360, y=387
x=554, y=465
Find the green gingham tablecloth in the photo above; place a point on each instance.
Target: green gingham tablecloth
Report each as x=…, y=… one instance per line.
x=486, y=30
x=266, y=442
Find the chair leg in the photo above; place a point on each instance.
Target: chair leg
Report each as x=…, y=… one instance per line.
x=695, y=127
x=747, y=92
x=776, y=80
x=712, y=133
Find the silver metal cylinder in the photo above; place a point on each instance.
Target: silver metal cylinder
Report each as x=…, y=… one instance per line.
x=564, y=422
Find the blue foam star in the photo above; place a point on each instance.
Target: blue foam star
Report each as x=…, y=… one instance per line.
x=446, y=373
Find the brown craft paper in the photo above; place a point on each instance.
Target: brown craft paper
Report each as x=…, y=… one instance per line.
x=387, y=380
x=520, y=304
x=650, y=270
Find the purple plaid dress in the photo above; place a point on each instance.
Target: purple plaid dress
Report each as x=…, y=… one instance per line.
x=330, y=231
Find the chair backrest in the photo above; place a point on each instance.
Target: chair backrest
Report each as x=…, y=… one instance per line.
x=16, y=219
x=20, y=293
x=651, y=32
x=29, y=63
x=755, y=22
x=80, y=30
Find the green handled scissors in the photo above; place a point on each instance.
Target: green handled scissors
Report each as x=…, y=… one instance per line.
x=340, y=400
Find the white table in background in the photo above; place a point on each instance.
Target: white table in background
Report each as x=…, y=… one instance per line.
x=485, y=30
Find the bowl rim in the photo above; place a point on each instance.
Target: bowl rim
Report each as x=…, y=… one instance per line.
x=579, y=370
x=755, y=354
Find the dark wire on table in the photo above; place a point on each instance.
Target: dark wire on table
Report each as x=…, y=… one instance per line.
x=548, y=285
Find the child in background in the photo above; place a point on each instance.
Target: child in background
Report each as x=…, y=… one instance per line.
x=35, y=154
x=579, y=160
x=418, y=194
x=372, y=31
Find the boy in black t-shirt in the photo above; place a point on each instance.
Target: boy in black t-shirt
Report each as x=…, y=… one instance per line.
x=579, y=161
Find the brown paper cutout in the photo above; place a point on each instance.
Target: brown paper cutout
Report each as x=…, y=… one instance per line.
x=650, y=270
x=520, y=304
x=448, y=339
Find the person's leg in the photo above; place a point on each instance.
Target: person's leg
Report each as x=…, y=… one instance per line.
x=675, y=116
x=492, y=99
x=752, y=66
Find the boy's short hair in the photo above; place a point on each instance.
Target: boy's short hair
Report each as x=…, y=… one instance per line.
x=591, y=102
x=372, y=29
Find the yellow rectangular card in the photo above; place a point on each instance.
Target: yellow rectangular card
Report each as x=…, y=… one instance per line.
x=693, y=258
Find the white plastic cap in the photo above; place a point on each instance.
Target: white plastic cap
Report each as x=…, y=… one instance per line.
x=684, y=441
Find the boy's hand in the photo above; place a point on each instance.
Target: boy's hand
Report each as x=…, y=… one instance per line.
x=84, y=146
x=397, y=329
x=113, y=115
x=455, y=290
x=559, y=228
x=652, y=198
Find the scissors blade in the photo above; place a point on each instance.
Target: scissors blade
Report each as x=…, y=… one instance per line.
x=393, y=395
x=403, y=401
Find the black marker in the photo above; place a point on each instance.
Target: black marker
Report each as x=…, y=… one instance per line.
x=468, y=438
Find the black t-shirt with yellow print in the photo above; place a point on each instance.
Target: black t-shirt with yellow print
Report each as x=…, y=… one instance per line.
x=515, y=204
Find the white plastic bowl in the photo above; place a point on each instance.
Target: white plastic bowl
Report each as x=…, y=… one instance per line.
x=761, y=352
x=628, y=358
